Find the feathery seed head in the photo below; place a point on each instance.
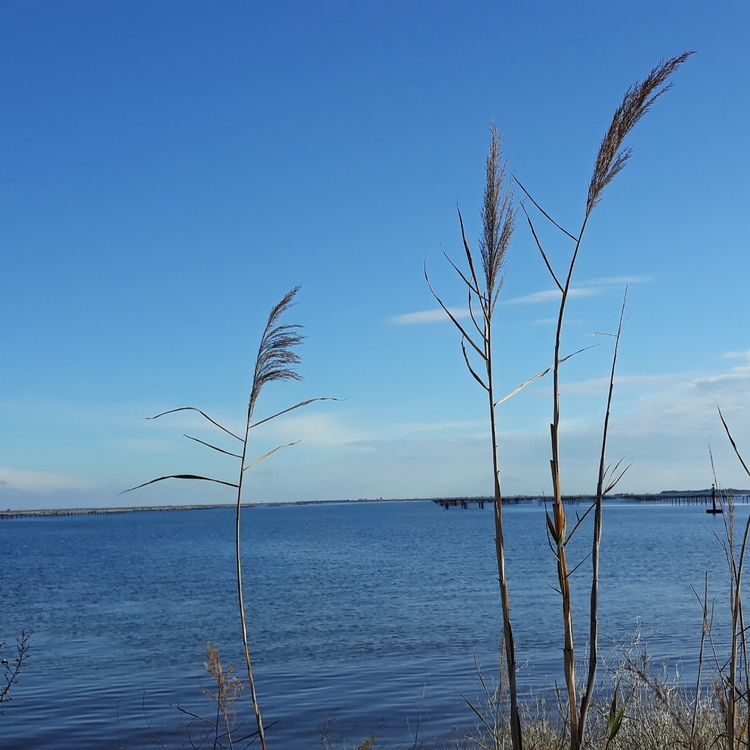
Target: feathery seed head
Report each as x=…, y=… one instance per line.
x=638, y=99
x=498, y=219
x=276, y=360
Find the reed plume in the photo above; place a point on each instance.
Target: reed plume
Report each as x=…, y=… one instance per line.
x=275, y=361
x=498, y=222
x=611, y=159
x=638, y=99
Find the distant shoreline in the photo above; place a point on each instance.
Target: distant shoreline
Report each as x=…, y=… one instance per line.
x=10, y=513
x=666, y=496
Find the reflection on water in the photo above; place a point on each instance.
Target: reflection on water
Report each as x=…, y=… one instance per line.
x=369, y=615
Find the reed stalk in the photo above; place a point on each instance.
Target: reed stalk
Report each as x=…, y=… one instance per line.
x=738, y=660
x=705, y=630
x=276, y=360
x=483, y=288
x=608, y=478
x=611, y=159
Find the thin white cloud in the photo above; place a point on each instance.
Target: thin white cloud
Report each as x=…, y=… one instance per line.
x=624, y=384
x=737, y=355
x=39, y=481
x=428, y=316
x=585, y=288
x=734, y=383
x=316, y=428
x=590, y=288
x=553, y=295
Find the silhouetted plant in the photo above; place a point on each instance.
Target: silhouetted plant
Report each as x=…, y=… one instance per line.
x=498, y=216
x=611, y=159
x=275, y=361
x=483, y=288
x=732, y=673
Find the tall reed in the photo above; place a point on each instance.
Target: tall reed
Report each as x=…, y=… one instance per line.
x=275, y=361
x=498, y=216
x=733, y=673
x=611, y=159
x=483, y=288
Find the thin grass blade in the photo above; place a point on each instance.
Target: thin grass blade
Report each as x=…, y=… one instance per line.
x=292, y=408
x=536, y=377
x=270, y=453
x=467, y=249
x=541, y=210
x=463, y=331
x=540, y=248
x=470, y=368
x=216, y=448
x=731, y=440
x=202, y=413
x=180, y=476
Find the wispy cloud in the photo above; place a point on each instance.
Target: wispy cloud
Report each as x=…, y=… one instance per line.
x=428, y=316
x=39, y=481
x=314, y=428
x=738, y=355
x=590, y=288
x=553, y=295
x=624, y=384
x=584, y=288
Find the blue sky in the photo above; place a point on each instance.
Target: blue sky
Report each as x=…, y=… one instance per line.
x=170, y=169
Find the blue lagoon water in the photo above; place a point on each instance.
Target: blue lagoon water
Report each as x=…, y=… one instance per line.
x=365, y=617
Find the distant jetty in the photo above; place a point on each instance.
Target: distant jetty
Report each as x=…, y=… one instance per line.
x=10, y=513
x=100, y=511
x=673, y=497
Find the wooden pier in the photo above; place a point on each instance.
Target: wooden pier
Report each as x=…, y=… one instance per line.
x=697, y=497
x=467, y=502
x=461, y=502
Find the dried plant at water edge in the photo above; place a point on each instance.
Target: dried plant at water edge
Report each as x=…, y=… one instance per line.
x=611, y=158
x=12, y=667
x=275, y=361
x=482, y=288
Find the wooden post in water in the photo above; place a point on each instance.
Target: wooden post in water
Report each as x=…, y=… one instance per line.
x=713, y=508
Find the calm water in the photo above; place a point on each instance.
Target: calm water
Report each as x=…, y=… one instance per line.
x=366, y=617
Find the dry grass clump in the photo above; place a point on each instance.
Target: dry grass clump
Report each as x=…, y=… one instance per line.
x=219, y=732
x=637, y=710
x=228, y=689
x=12, y=667
x=660, y=715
